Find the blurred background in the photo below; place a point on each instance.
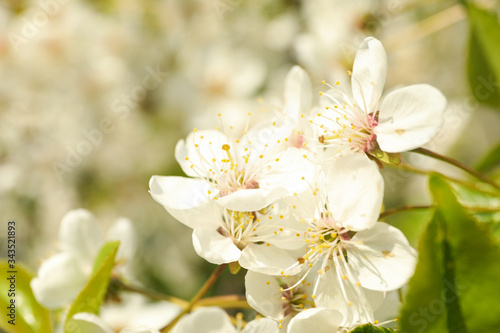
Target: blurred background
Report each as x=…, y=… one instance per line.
x=95, y=94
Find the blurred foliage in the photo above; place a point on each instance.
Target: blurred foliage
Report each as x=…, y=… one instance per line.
x=483, y=65
x=490, y=160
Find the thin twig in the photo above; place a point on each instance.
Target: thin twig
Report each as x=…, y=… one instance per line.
x=456, y=163
x=208, y=284
x=402, y=209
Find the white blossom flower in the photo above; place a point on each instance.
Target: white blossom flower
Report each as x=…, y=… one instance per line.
x=263, y=241
x=90, y=323
x=317, y=320
x=132, y=313
x=354, y=259
x=243, y=174
x=405, y=119
x=270, y=295
x=135, y=310
x=215, y=320
x=61, y=277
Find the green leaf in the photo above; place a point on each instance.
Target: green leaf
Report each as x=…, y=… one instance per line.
x=30, y=316
x=369, y=328
x=103, y=254
x=455, y=286
x=483, y=65
x=490, y=161
x=481, y=202
x=92, y=295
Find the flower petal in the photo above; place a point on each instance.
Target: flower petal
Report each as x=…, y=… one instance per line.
x=205, y=320
x=297, y=94
x=382, y=257
x=123, y=230
x=136, y=310
x=263, y=294
x=369, y=72
x=409, y=118
x=317, y=320
x=199, y=149
x=248, y=200
x=213, y=247
x=81, y=235
x=355, y=303
x=90, y=323
x=355, y=191
x=139, y=330
x=60, y=278
x=186, y=199
x=294, y=172
x=268, y=259
x=261, y=325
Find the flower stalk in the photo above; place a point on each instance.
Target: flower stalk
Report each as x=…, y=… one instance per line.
x=449, y=160
x=204, y=289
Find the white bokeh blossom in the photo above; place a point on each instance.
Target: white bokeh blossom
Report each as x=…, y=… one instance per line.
x=61, y=277
x=213, y=319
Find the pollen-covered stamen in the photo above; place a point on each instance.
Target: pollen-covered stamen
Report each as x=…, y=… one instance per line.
x=295, y=298
x=346, y=123
x=244, y=228
x=239, y=226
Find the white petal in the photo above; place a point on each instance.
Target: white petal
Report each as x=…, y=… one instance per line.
x=81, y=235
x=307, y=205
x=263, y=294
x=213, y=247
x=317, y=320
x=209, y=145
x=261, y=325
x=60, y=279
x=382, y=257
x=353, y=302
x=294, y=172
x=298, y=96
x=409, y=118
x=205, y=320
x=123, y=230
x=139, y=330
x=89, y=323
x=355, y=191
x=247, y=200
x=137, y=311
x=268, y=259
x=286, y=233
x=186, y=199
x=262, y=139
x=369, y=72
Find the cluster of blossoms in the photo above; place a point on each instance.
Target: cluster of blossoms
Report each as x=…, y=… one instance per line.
x=295, y=200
